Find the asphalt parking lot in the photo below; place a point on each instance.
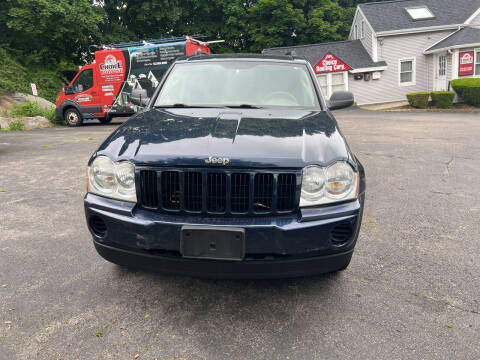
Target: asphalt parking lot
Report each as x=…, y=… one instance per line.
x=412, y=290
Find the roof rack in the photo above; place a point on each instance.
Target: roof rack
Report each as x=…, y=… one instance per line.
x=91, y=48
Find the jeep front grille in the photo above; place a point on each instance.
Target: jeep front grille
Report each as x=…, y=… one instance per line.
x=219, y=191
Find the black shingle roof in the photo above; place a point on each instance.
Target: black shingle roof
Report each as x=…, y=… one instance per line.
x=465, y=36
x=391, y=15
x=350, y=52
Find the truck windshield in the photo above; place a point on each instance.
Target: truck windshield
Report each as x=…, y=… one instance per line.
x=248, y=84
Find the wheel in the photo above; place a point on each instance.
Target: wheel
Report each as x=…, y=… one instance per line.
x=73, y=117
x=105, y=120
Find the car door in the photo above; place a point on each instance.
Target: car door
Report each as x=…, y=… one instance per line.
x=86, y=94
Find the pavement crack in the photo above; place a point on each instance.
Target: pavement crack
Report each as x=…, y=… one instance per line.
x=449, y=163
x=446, y=303
x=441, y=193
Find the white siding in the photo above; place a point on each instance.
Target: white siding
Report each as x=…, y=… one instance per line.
x=394, y=48
x=367, y=39
x=430, y=68
x=365, y=92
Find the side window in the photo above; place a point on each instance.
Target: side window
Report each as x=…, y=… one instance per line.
x=363, y=29
x=333, y=82
x=442, y=65
x=407, y=72
x=323, y=82
x=84, y=81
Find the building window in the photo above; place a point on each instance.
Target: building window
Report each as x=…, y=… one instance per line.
x=355, y=32
x=323, y=82
x=420, y=13
x=333, y=82
x=363, y=29
x=338, y=82
x=407, y=72
x=442, y=65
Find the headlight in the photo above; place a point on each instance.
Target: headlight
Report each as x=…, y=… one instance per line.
x=114, y=180
x=338, y=182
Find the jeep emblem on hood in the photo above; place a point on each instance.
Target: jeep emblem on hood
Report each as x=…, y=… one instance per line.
x=217, y=160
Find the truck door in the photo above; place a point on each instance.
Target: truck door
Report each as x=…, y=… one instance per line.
x=86, y=93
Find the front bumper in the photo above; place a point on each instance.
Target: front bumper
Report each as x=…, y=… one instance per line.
x=281, y=246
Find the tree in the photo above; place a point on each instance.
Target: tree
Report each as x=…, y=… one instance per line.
x=45, y=31
x=53, y=31
x=274, y=23
x=326, y=21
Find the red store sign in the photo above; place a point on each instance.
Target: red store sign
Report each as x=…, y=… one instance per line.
x=330, y=63
x=466, y=63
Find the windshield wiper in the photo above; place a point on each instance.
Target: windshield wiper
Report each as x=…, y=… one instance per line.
x=179, y=105
x=243, y=106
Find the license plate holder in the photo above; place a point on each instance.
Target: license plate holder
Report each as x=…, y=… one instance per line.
x=212, y=242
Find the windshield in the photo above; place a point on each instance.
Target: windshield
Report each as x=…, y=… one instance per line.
x=238, y=84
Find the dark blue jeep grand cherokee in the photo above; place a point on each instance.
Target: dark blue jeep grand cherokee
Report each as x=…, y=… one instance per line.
x=235, y=169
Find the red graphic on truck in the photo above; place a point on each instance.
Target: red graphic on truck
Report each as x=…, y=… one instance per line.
x=111, y=66
x=102, y=90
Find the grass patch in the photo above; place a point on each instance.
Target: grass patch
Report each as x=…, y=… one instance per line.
x=26, y=109
x=31, y=109
x=17, y=126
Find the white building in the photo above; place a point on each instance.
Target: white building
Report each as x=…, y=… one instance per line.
x=399, y=47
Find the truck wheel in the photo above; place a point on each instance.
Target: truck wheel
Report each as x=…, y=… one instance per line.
x=105, y=120
x=73, y=117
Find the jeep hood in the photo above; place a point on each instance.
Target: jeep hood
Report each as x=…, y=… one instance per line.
x=247, y=137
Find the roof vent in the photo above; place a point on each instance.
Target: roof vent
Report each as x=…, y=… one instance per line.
x=420, y=13
x=291, y=53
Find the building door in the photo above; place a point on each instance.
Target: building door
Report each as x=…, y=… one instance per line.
x=332, y=82
x=440, y=79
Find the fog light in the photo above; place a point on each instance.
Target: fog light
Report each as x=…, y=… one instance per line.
x=98, y=226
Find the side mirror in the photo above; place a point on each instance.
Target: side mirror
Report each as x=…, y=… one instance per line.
x=340, y=100
x=139, y=97
x=68, y=90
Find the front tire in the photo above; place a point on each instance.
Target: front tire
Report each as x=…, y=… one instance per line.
x=73, y=117
x=106, y=120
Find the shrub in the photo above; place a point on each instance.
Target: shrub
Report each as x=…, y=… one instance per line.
x=26, y=109
x=418, y=100
x=17, y=125
x=51, y=115
x=468, y=89
x=443, y=99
